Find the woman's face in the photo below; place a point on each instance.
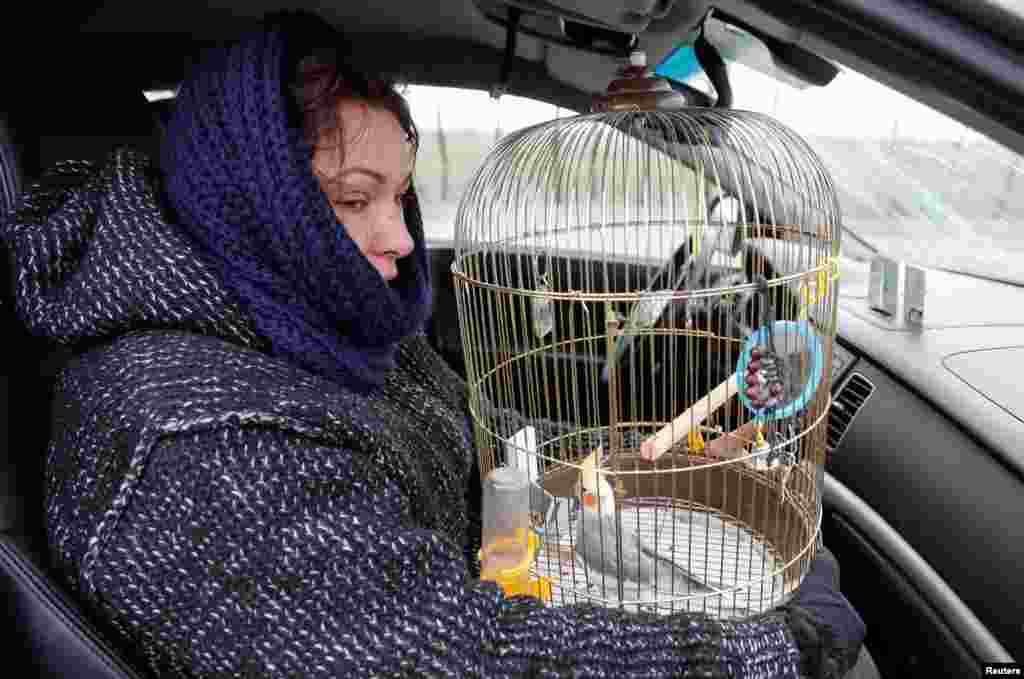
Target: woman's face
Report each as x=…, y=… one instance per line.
x=368, y=192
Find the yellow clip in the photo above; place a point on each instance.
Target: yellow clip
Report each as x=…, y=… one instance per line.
x=759, y=441
x=695, y=440
x=820, y=285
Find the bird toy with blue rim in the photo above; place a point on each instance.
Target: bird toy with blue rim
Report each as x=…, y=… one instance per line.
x=777, y=374
x=781, y=364
x=768, y=375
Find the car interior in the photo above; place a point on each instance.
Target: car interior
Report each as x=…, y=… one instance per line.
x=924, y=479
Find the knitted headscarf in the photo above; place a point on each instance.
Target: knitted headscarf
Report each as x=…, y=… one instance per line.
x=240, y=178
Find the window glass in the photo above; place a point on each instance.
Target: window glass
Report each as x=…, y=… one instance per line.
x=913, y=183
x=458, y=128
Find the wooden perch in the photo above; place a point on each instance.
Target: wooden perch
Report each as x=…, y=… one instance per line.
x=679, y=428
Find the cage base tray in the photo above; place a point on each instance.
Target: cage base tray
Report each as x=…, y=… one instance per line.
x=744, y=571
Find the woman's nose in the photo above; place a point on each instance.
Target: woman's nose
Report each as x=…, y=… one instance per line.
x=394, y=237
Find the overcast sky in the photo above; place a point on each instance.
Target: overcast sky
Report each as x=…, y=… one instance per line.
x=851, y=106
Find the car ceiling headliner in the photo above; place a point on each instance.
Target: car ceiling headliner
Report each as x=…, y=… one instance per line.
x=451, y=42
x=427, y=41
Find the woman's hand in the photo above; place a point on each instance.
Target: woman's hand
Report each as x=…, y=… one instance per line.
x=834, y=630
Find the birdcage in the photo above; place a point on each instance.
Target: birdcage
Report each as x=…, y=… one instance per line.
x=646, y=295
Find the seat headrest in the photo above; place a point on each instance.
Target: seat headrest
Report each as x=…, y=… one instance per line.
x=97, y=109
x=80, y=121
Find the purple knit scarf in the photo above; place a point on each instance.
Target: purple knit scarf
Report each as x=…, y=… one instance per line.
x=239, y=176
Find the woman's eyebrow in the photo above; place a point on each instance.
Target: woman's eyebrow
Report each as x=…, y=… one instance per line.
x=372, y=174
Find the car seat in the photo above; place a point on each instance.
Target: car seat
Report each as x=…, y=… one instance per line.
x=46, y=632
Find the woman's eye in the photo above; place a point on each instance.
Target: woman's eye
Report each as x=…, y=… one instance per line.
x=352, y=203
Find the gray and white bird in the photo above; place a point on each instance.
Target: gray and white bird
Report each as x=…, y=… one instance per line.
x=603, y=547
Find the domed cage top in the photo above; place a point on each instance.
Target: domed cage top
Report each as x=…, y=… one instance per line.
x=659, y=287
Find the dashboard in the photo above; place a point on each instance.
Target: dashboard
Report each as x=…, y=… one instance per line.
x=934, y=448
x=961, y=358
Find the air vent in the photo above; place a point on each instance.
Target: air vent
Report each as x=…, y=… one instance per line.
x=845, y=406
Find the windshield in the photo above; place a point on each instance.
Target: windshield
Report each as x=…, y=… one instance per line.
x=912, y=183
x=915, y=184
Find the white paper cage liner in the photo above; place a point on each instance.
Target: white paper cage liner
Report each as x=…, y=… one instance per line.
x=743, y=569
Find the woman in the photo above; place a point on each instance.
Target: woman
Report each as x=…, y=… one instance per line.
x=260, y=468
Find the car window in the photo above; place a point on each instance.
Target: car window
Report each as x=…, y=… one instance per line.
x=459, y=128
x=912, y=182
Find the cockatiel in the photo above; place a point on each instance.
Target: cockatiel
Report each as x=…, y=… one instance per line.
x=597, y=545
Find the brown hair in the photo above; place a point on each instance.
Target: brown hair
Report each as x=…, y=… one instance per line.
x=322, y=83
